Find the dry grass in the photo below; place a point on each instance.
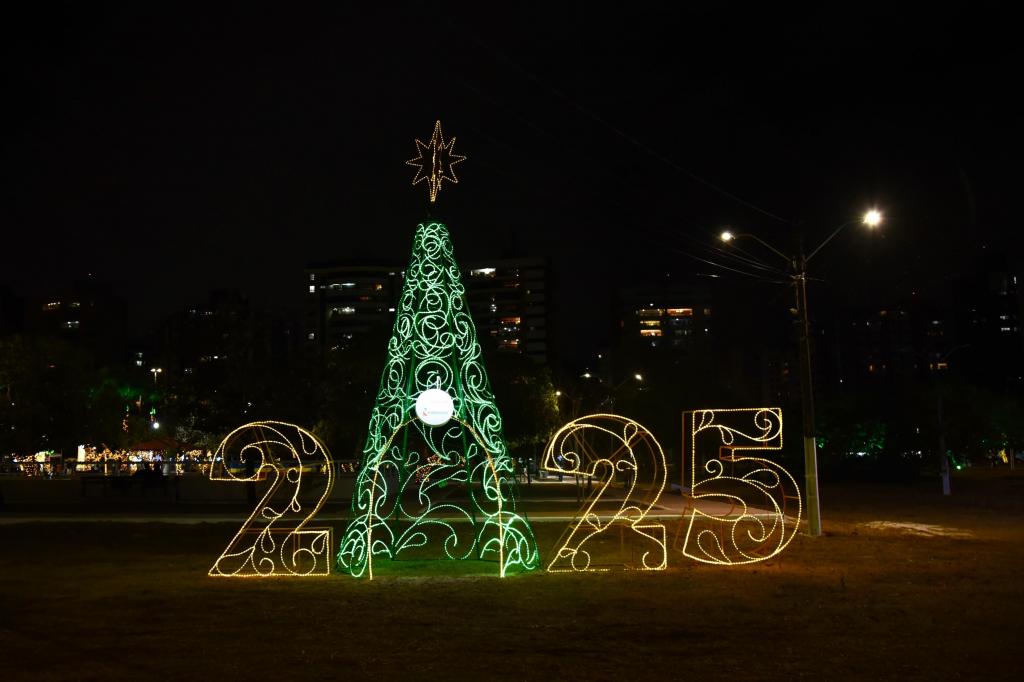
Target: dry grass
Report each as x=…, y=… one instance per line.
x=132, y=601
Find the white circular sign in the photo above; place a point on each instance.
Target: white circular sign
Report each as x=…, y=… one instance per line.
x=434, y=407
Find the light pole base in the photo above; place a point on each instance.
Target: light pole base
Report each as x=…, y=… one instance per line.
x=811, y=469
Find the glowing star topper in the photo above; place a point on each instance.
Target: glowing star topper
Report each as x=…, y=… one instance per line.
x=436, y=162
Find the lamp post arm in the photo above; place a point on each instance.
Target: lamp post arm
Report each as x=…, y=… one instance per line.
x=788, y=259
x=829, y=238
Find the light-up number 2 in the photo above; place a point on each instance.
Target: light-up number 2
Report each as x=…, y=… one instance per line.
x=634, y=463
x=274, y=540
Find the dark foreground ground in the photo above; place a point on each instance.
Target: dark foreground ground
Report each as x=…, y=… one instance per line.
x=939, y=598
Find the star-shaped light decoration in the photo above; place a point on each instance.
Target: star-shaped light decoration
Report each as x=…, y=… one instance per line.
x=436, y=162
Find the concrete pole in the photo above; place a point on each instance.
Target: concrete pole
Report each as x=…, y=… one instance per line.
x=807, y=401
x=943, y=459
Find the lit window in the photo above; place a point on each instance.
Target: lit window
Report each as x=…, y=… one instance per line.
x=680, y=312
x=76, y=304
x=312, y=335
x=707, y=312
x=312, y=277
x=482, y=272
x=510, y=320
x=52, y=306
x=650, y=312
x=348, y=285
x=312, y=289
x=378, y=287
x=1002, y=329
x=138, y=363
x=347, y=310
x=650, y=323
x=188, y=370
x=71, y=324
x=650, y=332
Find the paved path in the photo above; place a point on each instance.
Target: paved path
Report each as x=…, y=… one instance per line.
x=671, y=506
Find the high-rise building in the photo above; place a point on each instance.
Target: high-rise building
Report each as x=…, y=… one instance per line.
x=348, y=299
x=665, y=316
x=222, y=334
x=991, y=308
x=507, y=298
x=86, y=314
x=11, y=312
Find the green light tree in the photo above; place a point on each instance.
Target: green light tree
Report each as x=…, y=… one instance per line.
x=445, y=491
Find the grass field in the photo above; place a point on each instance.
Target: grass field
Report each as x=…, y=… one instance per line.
x=936, y=596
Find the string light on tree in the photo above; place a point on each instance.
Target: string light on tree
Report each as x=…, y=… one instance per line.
x=435, y=424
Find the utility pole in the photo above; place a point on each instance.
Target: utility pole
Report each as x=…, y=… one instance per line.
x=943, y=459
x=807, y=397
x=797, y=272
x=940, y=420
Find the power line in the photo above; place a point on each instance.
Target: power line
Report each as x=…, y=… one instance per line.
x=626, y=136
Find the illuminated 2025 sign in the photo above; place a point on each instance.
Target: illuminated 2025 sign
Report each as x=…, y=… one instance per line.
x=745, y=507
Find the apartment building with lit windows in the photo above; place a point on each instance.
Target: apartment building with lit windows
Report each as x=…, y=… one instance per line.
x=348, y=299
x=665, y=316
x=507, y=298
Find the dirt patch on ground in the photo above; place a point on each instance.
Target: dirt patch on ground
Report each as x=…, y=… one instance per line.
x=922, y=529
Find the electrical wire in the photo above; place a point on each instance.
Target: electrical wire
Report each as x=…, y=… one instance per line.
x=629, y=138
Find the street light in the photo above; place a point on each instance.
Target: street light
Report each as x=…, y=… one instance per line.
x=156, y=371
x=797, y=266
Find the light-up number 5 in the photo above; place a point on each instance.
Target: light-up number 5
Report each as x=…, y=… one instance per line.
x=624, y=459
x=746, y=508
x=274, y=540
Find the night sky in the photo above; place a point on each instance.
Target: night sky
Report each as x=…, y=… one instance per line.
x=172, y=153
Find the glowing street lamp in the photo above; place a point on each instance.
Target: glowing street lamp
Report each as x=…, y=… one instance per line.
x=797, y=266
x=156, y=371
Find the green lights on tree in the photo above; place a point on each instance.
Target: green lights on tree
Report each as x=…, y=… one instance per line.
x=444, y=491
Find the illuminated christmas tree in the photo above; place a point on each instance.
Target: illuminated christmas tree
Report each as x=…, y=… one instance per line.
x=436, y=480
